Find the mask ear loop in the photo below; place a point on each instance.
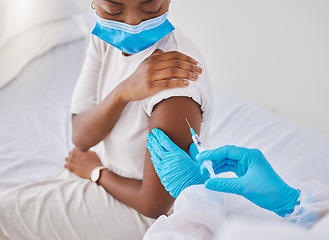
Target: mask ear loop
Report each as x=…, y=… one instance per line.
x=93, y=5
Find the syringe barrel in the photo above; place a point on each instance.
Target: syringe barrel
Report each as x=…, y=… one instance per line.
x=198, y=143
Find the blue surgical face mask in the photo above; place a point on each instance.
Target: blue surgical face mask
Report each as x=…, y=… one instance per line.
x=132, y=39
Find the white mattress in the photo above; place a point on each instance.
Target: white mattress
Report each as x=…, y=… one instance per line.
x=35, y=127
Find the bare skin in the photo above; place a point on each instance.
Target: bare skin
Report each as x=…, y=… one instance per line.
x=147, y=196
x=131, y=12
x=158, y=72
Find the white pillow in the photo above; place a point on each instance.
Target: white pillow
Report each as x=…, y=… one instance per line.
x=29, y=28
x=17, y=16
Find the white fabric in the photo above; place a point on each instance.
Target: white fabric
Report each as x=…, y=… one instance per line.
x=290, y=147
x=67, y=207
x=314, y=204
x=30, y=28
x=40, y=97
x=201, y=214
x=197, y=213
x=35, y=127
x=35, y=119
x=105, y=67
x=296, y=153
x=40, y=209
x=17, y=16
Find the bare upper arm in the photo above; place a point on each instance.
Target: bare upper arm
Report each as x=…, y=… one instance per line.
x=169, y=115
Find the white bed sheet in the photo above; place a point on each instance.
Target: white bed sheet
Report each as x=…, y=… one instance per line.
x=35, y=128
x=298, y=154
x=35, y=125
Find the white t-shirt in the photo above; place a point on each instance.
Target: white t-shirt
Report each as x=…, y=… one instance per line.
x=123, y=150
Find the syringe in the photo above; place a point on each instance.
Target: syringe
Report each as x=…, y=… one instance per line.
x=207, y=163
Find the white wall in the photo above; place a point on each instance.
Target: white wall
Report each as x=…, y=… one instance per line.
x=273, y=53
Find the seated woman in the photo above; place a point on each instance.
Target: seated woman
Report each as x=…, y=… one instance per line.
x=134, y=79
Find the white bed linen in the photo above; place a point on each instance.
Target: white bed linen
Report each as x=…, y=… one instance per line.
x=297, y=153
x=17, y=52
x=35, y=128
x=18, y=16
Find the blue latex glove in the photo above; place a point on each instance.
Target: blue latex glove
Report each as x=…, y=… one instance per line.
x=175, y=168
x=257, y=181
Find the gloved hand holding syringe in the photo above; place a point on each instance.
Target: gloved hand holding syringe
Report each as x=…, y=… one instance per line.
x=177, y=171
x=196, y=139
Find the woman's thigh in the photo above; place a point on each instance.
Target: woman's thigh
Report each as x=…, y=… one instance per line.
x=67, y=207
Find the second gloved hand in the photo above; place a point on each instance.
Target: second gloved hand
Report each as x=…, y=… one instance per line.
x=256, y=181
x=175, y=168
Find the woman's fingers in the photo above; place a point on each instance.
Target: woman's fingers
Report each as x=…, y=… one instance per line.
x=173, y=70
x=175, y=65
x=170, y=83
x=178, y=64
x=170, y=73
x=175, y=55
x=160, y=71
x=157, y=52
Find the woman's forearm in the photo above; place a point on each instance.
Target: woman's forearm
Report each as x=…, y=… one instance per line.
x=91, y=127
x=132, y=193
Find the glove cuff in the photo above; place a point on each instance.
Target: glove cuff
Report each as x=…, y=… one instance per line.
x=304, y=213
x=292, y=202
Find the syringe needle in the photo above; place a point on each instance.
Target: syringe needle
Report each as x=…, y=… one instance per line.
x=207, y=163
x=188, y=122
